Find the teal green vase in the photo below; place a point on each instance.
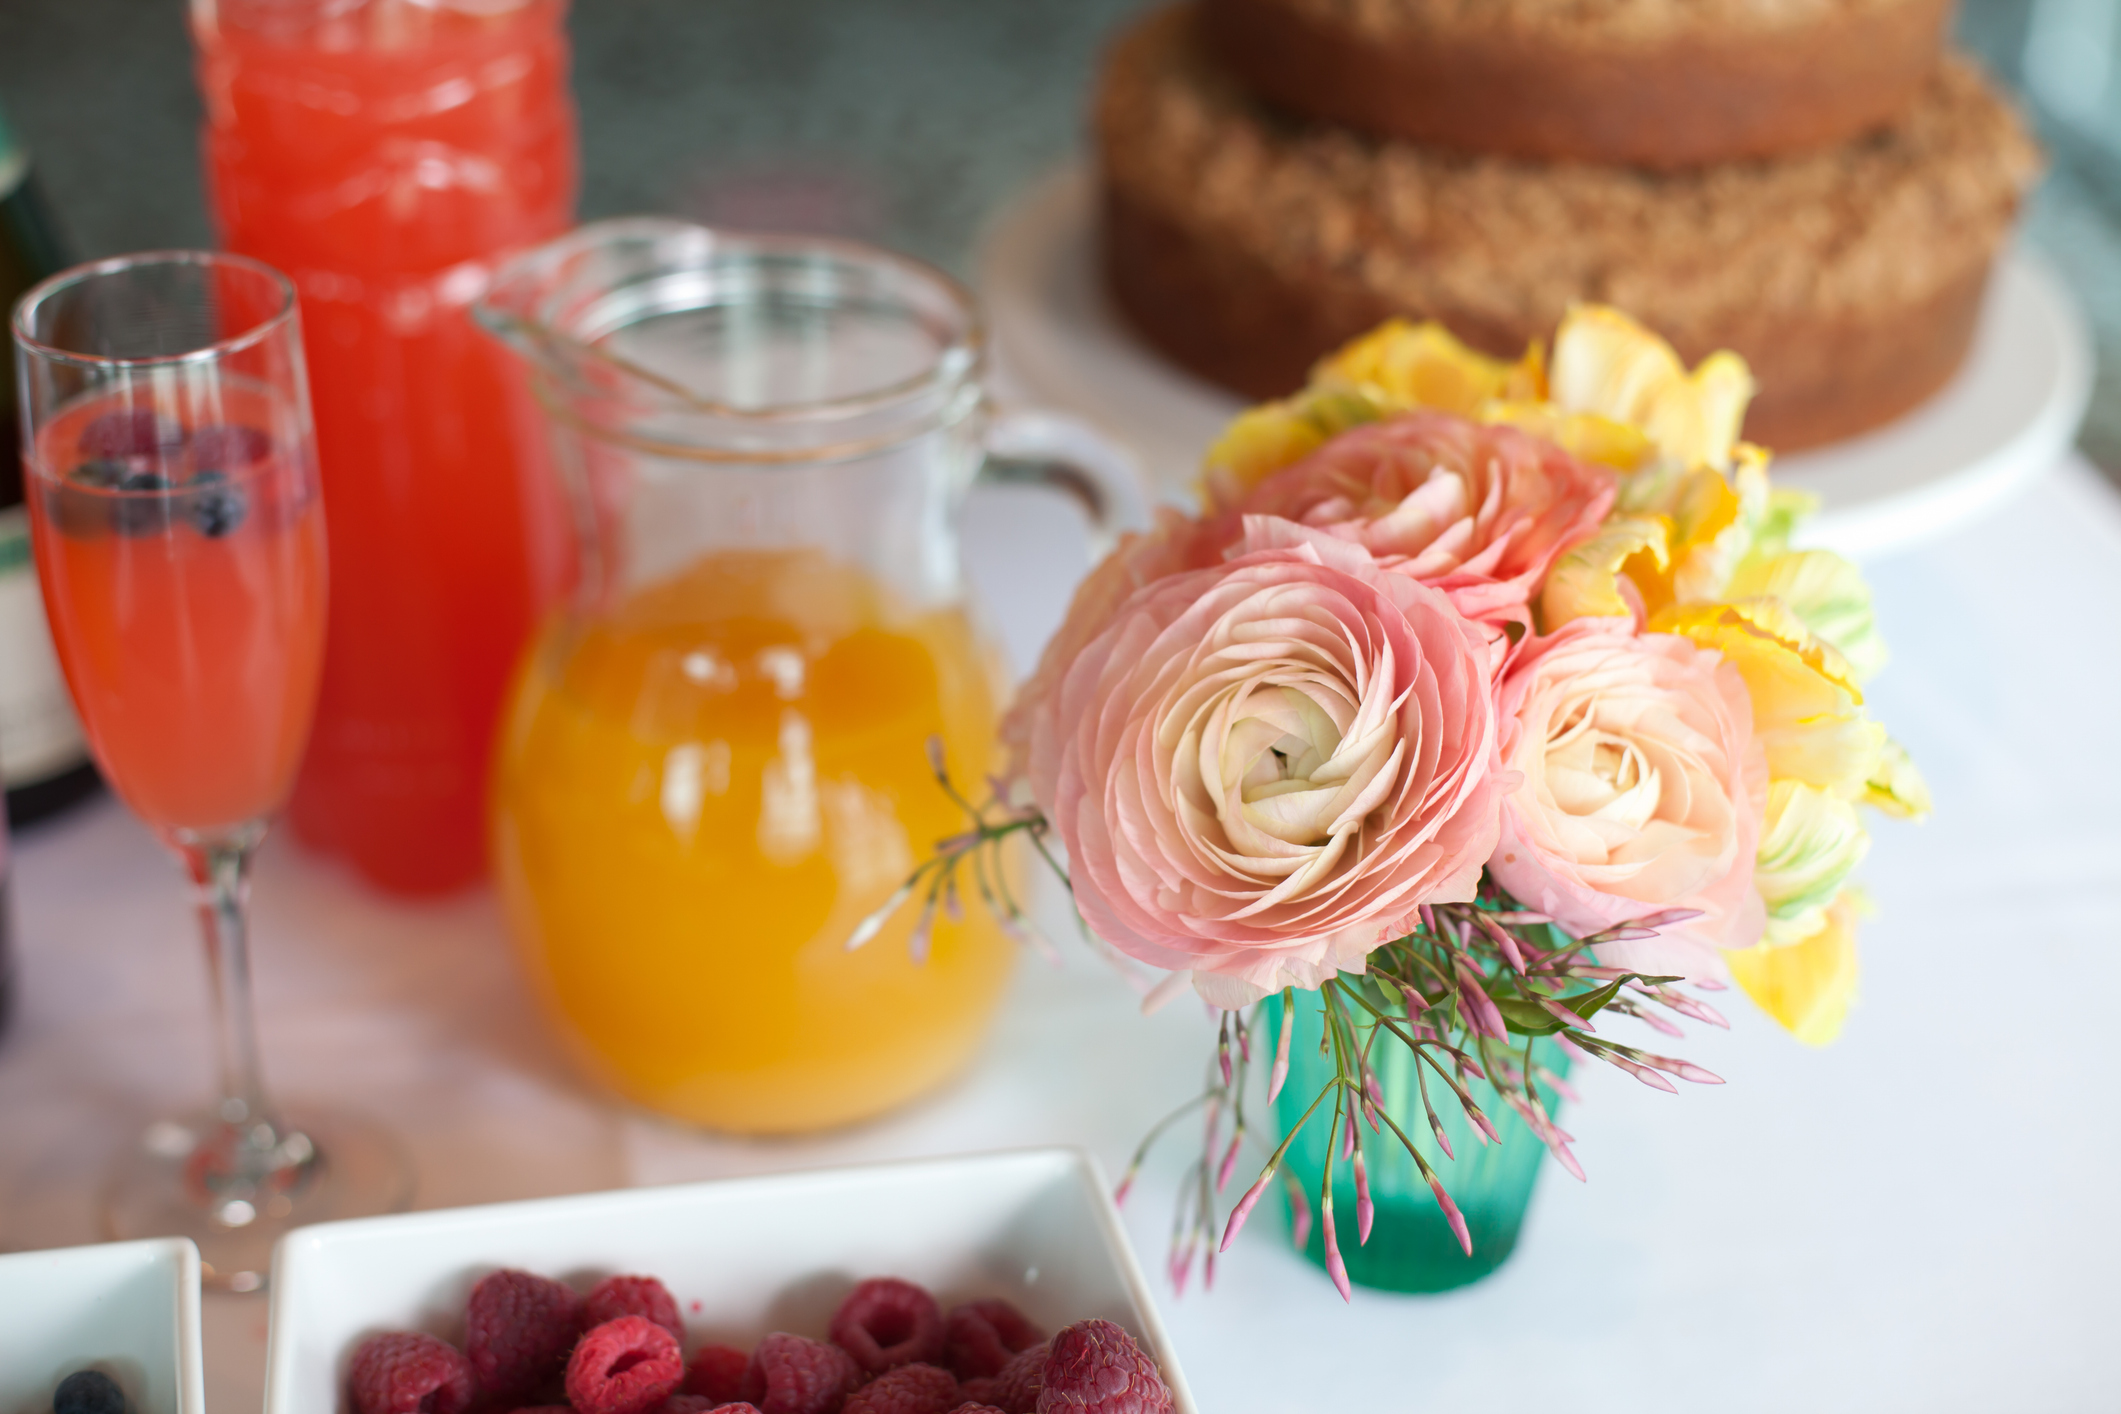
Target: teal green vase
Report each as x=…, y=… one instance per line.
x=1411, y=1246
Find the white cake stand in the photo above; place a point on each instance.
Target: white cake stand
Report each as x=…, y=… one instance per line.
x=2005, y=419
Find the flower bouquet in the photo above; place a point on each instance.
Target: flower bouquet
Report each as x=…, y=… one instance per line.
x=1481, y=703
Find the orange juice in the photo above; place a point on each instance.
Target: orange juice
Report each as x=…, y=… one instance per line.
x=701, y=792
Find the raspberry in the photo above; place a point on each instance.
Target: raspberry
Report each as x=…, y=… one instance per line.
x=223, y=446
x=1015, y=1389
x=135, y=432
x=717, y=1372
x=886, y=1322
x=408, y=1373
x=544, y=1409
x=980, y=1336
x=518, y=1329
x=791, y=1375
x=688, y=1404
x=624, y=1366
x=910, y=1389
x=614, y=1297
x=1096, y=1368
x=975, y=1409
x=977, y=1390
x=737, y=1408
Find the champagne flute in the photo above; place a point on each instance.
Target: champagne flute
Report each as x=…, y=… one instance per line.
x=179, y=538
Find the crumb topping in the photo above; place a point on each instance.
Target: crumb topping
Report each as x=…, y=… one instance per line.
x=1877, y=224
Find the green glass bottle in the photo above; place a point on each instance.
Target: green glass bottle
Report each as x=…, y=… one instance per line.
x=43, y=758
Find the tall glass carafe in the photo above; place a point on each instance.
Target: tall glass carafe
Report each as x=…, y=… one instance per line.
x=716, y=758
x=386, y=154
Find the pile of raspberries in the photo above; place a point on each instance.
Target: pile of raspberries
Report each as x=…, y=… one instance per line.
x=530, y=1342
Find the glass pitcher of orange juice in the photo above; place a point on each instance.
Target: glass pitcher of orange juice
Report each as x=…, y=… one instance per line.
x=715, y=759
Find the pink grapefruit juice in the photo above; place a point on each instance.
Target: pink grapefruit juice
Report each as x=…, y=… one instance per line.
x=182, y=556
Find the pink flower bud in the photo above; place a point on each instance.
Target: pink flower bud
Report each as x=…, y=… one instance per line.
x=1365, y=1210
x=1280, y=1074
x=1335, y=1268
x=1452, y=1215
x=1244, y=1207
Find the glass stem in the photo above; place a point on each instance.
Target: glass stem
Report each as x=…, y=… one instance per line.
x=248, y=1148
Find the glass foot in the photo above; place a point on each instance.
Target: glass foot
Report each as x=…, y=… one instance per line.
x=329, y=1165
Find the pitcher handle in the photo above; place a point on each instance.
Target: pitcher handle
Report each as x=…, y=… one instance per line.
x=1068, y=455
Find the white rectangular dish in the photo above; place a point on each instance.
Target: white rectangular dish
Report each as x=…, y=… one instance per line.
x=129, y=1309
x=743, y=1257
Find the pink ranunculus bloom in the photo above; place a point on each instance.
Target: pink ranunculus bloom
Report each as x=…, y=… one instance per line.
x=1261, y=768
x=1640, y=789
x=1478, y=511
x=1174, y=543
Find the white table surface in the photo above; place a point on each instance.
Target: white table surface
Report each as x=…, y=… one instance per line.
x=1921, y=1217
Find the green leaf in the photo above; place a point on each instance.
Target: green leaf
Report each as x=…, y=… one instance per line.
x=1526, y=1018
x=1589, y=1004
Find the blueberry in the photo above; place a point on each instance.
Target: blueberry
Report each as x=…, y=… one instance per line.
x=88, y=1392
x=213, y=506
x=228, y=446
x=138, y=432
x=147, y=511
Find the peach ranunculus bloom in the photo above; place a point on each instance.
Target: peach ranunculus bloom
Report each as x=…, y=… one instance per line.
x=1477, y=510
x=1174, y=543
x=1640, y=789
x=1261, y=768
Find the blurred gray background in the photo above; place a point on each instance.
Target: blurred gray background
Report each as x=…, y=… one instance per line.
x=905, y=121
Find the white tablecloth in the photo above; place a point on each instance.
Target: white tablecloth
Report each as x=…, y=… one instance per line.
x=1920, y=1217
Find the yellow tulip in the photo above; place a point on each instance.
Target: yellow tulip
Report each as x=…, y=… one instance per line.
x=1810, y=842
x=1264, y=439
x=1426, y=366
x=1805, y=698
x=1606, y=363
x=1714, y=517
x=1807, y=985
x=1584, y=435
x=1825, y=591
x=1896, y=787
x=1590, y=580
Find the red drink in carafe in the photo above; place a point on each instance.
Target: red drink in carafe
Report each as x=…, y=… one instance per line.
x=384, y=153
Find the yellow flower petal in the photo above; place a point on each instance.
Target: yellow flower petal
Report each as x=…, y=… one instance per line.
x=1786, y=506
x=1583, y=435
x=1825, y=591
x=1807, y=985
x=1259, y=443
x=1585, y=581
x=1805, y=697
x=1606, y=363
x=1425, y=366
x=1810, y=842
x=1711, y=522
x=1896, y=787
x=1263, y=440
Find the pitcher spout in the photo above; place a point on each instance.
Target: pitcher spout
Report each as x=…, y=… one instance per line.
x=552, y=305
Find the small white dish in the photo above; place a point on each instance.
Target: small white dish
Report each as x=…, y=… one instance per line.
x=742, y=1256
x=2005, y=419
x=129, y=1309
